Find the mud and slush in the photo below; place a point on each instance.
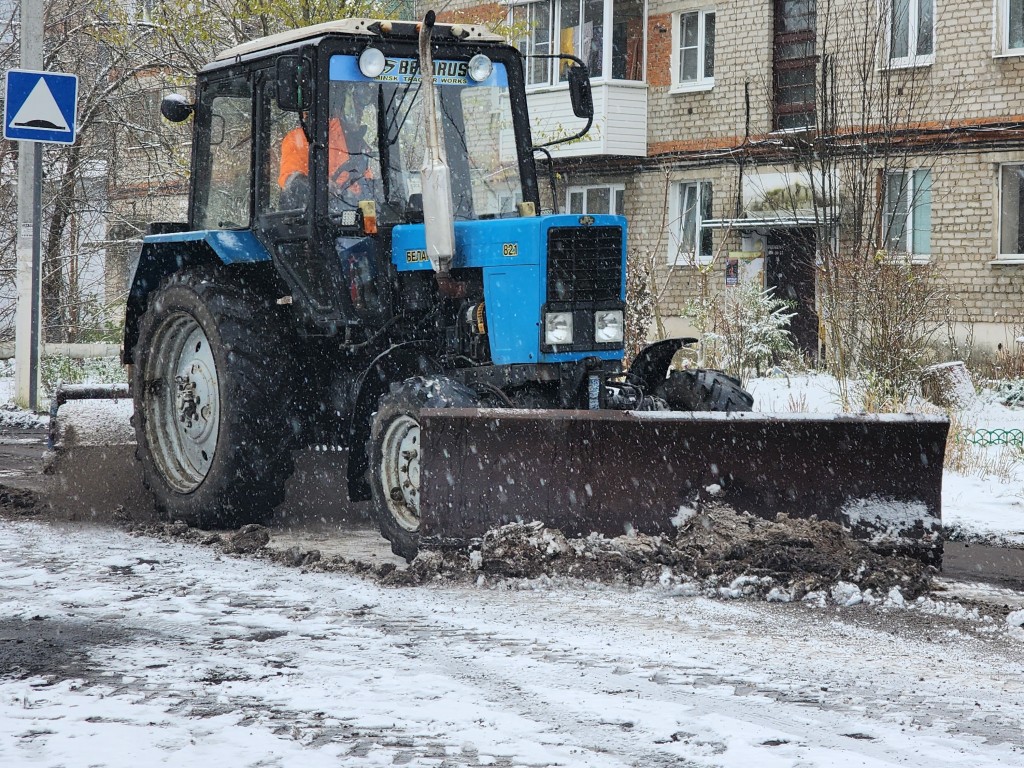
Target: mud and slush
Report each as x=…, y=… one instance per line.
x=717, y=552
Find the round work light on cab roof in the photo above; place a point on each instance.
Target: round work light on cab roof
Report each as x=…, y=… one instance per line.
x=480, y=68
x=371, y=62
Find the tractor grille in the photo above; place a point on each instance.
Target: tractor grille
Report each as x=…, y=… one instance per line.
x=584, y=264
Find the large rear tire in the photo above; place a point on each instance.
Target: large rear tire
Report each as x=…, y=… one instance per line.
x=701, y=389
x=394, y=451
x=212, y=400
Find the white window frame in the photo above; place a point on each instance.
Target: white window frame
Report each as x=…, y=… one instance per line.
x=1005, y=258
x=607, y=52
x=525, y=43
x=1003, y=29
x=915, y=207
x=913, y=58
x=614, y=191
x=702, y=82
x=676, y=256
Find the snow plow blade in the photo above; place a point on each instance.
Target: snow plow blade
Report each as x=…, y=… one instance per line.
x=612, y=472
x=90, y=456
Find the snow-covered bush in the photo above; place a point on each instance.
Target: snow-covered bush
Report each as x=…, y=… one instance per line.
x=639, y=305
x=744, y=330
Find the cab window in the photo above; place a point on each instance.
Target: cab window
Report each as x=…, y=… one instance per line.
x=224, y=187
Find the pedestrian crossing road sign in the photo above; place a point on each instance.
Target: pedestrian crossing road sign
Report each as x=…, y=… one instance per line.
x=40, y=106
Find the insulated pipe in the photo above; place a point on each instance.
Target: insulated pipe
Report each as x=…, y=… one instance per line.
x=435, y=175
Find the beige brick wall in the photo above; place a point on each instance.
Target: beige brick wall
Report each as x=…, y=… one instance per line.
x=965, y=238
x=716, y=117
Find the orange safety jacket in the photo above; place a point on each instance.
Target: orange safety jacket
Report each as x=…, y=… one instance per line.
x=295, y=153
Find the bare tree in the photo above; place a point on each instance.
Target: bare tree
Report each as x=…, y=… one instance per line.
x=878, y=131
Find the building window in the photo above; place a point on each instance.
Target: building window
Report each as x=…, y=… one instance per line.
x=628, y=31
x=691, y=242
x=1011, y=15
x=911, y=32
x=535, y=18
x=795, y=64
x=1011, y=211
x=577, y=27
x=693, y=50
x=908, y=214
x=607, y=198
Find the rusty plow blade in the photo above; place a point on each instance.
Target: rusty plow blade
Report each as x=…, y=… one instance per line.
x=613, y=472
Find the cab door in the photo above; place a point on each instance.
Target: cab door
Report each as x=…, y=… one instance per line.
x=284, y=210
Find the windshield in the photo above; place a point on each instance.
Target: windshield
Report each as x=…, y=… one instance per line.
x=386, y=112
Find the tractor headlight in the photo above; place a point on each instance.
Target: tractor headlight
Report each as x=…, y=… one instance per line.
x=608, y=326
x=558, y=328
x=480, y=68
x=371, y=63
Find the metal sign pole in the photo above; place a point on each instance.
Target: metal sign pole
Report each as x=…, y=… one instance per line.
x=27, y=330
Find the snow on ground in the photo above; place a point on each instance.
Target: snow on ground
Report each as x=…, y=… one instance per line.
x=810, y=393
x=174, y=655
x=987, y=509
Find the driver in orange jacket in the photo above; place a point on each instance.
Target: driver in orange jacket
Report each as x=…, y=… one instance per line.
x=349, y=171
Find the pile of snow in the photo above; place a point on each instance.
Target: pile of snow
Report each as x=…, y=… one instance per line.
x=13, y=417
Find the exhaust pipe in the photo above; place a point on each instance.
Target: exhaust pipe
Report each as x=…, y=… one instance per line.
x=438, y=214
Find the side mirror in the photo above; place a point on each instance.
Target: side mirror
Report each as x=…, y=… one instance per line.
x=579, y=91
x=176, y=107
x=294, y=84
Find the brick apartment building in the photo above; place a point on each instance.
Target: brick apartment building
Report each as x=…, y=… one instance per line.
x=710, y=115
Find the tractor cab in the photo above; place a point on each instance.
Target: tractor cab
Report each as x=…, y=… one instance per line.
x=312, y=142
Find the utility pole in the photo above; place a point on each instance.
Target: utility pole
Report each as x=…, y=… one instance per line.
x=27, y=339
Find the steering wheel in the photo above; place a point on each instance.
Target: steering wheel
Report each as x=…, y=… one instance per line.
x=355, y=168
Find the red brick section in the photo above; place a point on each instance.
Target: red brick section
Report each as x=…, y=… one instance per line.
x=659, y=50
x=487, y=14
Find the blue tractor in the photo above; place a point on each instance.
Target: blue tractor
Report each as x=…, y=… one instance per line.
x=365, y=264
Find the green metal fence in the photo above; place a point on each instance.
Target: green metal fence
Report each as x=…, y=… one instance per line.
x=986, y=437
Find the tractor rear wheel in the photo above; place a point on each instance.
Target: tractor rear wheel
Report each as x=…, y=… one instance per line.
x=701, y=389
x=395, y=452
x=212, y=400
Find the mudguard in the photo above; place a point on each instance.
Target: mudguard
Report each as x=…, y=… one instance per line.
x=170, y=249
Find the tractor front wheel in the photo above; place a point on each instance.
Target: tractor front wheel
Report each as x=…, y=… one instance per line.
x=395, y=452
x=702, y=389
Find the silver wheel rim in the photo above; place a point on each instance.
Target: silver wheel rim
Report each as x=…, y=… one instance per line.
x=400, y=471
x=182, y=406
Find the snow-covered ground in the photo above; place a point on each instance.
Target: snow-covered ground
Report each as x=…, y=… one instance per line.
x=145, y=653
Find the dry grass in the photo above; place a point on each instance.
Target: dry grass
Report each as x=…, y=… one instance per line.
x=1008, y=361
x=797, y=403
x=881, y=400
